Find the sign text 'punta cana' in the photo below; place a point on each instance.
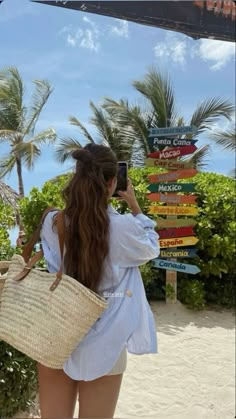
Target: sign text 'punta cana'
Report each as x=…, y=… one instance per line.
x=178, y=242
x=182, y=252
x=168, y=164
x=169, y=176
x=173, y=153
x=154, y=142
x=169, y=210
x=176, y=266
x=172, y=198
x=171, y=187
x=162, y=132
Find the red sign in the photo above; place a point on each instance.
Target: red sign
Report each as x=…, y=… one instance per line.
x=175, y=232
x=173, y=152
x=172, y=198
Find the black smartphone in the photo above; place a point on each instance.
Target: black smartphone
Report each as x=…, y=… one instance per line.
x=122, y=177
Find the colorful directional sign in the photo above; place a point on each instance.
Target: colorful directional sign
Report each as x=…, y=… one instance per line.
x=155, y=142
x=178, y=222
x=168, y=210
x=172, y=198
x=178, y=242
x=176, y=232
x=183, y=252
x=171, y=187
x=168, y=164
x=176, y=266
x=170, y=176
x=173, y=153
x=162, y=132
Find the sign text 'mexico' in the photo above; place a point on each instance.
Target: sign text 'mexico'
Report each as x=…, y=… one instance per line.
x=171, y=187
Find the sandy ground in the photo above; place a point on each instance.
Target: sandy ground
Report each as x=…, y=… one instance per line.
x=192, y=376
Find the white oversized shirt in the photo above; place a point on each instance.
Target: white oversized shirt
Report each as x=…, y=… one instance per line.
x=128, y=321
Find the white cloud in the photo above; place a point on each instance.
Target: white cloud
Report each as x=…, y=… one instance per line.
x=84, y=38
x=121, y=29
x=173, y=49
x=216, y=53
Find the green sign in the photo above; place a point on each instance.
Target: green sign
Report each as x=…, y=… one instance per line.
x=171, y=187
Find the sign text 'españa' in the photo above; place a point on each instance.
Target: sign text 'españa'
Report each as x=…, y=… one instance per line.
x=178, y=242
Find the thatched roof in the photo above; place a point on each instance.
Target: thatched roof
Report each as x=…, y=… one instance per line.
x=9, y=196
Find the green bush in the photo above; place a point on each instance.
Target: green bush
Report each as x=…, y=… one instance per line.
x=191, y=293
x=18, y=381
x=7, y=221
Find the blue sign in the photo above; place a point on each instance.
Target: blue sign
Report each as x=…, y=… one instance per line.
x=175, y=266
x=162, y=132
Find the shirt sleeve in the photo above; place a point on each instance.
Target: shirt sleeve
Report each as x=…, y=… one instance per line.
x=134, y=240
x=50, y=243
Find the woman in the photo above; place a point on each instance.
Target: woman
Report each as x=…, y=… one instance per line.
x=103, y=252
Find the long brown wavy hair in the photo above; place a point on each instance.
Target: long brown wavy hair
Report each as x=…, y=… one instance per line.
x=86, y=199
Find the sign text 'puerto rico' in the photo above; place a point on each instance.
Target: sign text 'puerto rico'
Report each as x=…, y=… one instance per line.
x=169, y=210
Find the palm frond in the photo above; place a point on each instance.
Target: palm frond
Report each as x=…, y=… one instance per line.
x=157, y=88
x=8, y=196
x=9, y=135
x=198, y=158
x=29, y=153
x=7, y=164
x=40, y=97
x=83, y=130
x=224, y=139
x=65, y=148
x=209, y=112
x=11, y=98
x=102, y=123
x=59, y=177
x=47, y=136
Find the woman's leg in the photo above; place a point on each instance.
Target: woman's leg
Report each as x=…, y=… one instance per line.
x=57, y=393
x=98, y=398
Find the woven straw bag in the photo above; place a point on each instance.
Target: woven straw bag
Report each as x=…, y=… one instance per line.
x=45, y=315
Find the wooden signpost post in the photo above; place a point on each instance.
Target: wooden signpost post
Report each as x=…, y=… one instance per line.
x=174, y=234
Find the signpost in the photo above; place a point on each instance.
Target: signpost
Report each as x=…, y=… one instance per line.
x=171, y=187
x=168, y=210
x=173, y=153
x=175, y=266
x=178, y=242
x=170, y=176
x=168, y=164
x=162, y=132
x=172, y=198
x=177, y=222
x=183, y=252
x=176, y=232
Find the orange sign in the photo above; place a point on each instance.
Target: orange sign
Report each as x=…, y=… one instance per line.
x=170, y=176
x=172, y=198
x=178, y=222
x=178, y=242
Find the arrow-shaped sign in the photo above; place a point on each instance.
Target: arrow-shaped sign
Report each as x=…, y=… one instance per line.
x=176, y=266
x=183, y=252
x=154, y=142
x=168, y=164
x=178, y=222
x=171, y=187
x=170, y=176
x=162, y=132
x=172, y=198
x=178, y=242
x=173, y=153
x=168, y=210
x=176, y=232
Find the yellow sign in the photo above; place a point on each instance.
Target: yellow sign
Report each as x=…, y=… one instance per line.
x=167, y=210
x=178, y=242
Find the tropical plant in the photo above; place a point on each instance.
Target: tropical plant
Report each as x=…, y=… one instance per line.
x=18, y=121
x=162, y=112
x=107, y=133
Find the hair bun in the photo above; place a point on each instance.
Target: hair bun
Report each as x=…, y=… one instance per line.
x=83, y=156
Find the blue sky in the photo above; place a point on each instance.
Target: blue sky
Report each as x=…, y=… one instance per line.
x=87, y=57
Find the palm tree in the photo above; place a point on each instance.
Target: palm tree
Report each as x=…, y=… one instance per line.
x=17, y=123
x=107, y=133
x=162, y=112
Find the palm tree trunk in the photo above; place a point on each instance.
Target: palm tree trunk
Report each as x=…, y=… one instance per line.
x=20, y=178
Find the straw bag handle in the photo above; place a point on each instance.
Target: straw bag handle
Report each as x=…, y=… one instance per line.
x=33, y=240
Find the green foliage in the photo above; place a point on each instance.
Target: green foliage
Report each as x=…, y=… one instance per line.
x=18, y=381
x=192, y=293
x=7, y=220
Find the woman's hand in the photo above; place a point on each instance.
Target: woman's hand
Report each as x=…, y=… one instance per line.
x=130, y=198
